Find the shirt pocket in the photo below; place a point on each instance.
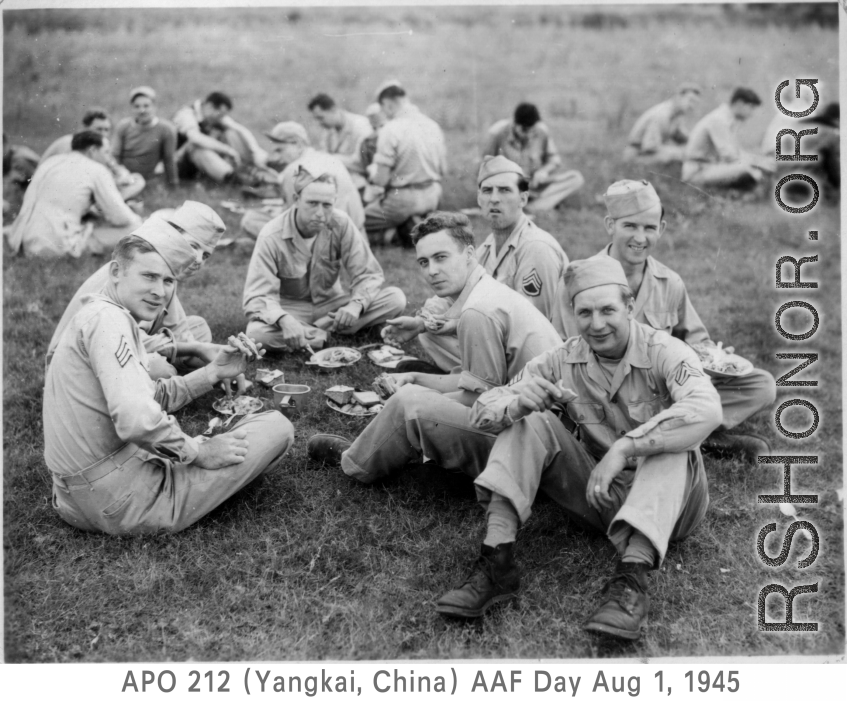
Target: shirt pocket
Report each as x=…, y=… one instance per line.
x=642, y=411
x=326, y=273
x=295, y=285
x=662, y=319
x=586, y=412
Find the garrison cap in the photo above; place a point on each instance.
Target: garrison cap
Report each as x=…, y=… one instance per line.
x=199, y=221
x=494, y=165
x=169, y=244
x=627, y=197
x=593, y=272
x=390, y=83
x=286, y=131
x=145, y=90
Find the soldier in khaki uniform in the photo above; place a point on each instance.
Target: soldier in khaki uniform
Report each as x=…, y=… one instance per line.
x=641, y=404
x=659, y=135
x=120, y=463
x=635, y=225
x=293, y=294
x=429, y=417
x=341, y=135
x=517, y=253
x=173, y=339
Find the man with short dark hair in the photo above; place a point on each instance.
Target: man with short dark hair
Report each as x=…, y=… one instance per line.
x=143, y=141
x=293, y=295
x=526, y=140
x=96, y=119
x=120, y=463
x=659, y=135
x=516, y=253
x=411, y=161
x=213, y=144
x=341, y=135
x=428, y=418
x=641, y=405
x=56, y=218
x=713, y=155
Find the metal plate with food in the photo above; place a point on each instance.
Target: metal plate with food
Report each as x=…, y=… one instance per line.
x=338, y=357
x=356, y=410
x=269, y=377
x=388, y=356
x=718, y=362
x=238, y=405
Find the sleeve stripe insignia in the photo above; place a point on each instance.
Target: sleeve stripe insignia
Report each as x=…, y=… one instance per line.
x=124, y=352
x=684, y=371
x=531, y=284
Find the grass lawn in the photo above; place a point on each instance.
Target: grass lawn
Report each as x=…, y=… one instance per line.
x=310, y=565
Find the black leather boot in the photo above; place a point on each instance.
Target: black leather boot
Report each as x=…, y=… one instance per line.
x=495, y=578
x=623, y=609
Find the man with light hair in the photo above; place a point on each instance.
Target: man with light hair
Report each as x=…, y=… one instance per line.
x=291, y=150
x=641, y=404
x=173, y=340
x=341, y=135
x=428, y=418
x=144, y=141
x=120, y=463
x=56, y=217
x=635, y=223
x=516, y=253
x=96, y=119
x=411, y=161
x=526, y=140
x=293, y=294
x=659, y=135
x=713, y=155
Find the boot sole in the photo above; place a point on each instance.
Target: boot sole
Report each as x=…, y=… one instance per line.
x=456, y=612
x=615, y=632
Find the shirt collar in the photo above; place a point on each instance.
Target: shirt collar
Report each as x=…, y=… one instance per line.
x=474, y=277
x=635, y=355
x=652, y=267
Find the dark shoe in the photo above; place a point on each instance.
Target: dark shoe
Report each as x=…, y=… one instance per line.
x=419, y=366
x=746, y=445
x=327, y=448
x=495, y=578
x=625, y=603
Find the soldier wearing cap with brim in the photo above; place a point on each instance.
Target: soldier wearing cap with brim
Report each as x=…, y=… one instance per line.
x=659, y=135
x=173, y=339
x=291, y=150
x=144, y=142
x=639, y=404
x=293, y=294
x=516, y=253
x=120, y=462
x=635, y=225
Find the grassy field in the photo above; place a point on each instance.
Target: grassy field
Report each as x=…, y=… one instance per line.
x=309, y=565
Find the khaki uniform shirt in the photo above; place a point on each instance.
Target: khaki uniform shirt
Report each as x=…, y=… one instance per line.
x=530, y=262
x=714, y=139
x=348, y=199
x=98, y=395
x=532, y=153
x=172, y=317
x=659, y=125
x=659, y=395
x=662, y=303
x=62, y=190
x=284, y=267
x=499, y=332
x=412, y=147
x=344, y=143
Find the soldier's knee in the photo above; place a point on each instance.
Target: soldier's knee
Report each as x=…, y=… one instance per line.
x=395, y=299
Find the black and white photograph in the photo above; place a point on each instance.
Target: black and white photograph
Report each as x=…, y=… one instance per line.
x=426, y=332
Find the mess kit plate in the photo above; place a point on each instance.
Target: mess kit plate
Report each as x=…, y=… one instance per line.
x=338, y=357
x=238, y=405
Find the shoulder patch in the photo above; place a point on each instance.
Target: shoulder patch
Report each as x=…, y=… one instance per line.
x=124, y=352
x=531, y=284
x=685, y=371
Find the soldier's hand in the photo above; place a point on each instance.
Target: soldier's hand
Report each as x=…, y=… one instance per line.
x=449, y=327
x=403, y=378
x=402, y=329
x=537, y=393
x=293, y=333
x=223, y=450
x=602, y=476
x=346, y=316
x=228, y=363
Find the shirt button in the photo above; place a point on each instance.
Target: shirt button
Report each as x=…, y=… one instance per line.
x=581, y=417
x=652, y=442
x=623, y=433
x=614, y=400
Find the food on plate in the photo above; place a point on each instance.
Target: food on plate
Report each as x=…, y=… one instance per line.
x=366, y=399
x=385, y=385
x=431, y=321
x=340, y=394
x=269, y=377
x=336, y=356
x=353, y=409
x=716, y=358
x=238, y=405
x=385, y=354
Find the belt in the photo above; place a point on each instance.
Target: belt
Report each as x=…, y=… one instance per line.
x=101, y=468
x=413, y=186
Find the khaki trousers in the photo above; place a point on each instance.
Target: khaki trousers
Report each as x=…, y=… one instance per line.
x=563, y=185
x=388, y=303
x=147, y=494
x=399, y=204
x=741, y=397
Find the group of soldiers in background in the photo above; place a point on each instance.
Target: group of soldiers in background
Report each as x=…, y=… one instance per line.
x=574, y=378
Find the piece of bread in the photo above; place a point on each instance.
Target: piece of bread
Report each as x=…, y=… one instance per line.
x=340, y=394
x=366, y=399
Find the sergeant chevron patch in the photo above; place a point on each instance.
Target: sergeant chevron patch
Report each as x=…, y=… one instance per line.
x=124, y=352
x=532, y=284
